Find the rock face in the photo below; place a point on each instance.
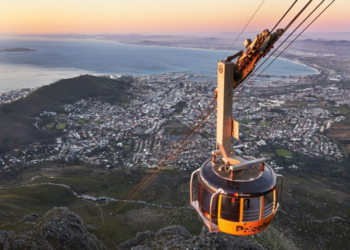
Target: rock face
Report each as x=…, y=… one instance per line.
x=62, y=229
x=31, y=217
x=57, y=229
x=177, y=237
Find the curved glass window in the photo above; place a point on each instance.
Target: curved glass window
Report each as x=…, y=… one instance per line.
x=204, y=195
x=268, y=204
x=251, y=209
x=230, y=208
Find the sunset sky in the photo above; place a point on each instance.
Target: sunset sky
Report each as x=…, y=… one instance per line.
x=155, y=16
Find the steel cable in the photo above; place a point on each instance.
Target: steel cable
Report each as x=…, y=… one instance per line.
x=167, y=152
x=154, y=175
x=283, y=16
x=289, y=43
x=237, y=38
x=286, y=28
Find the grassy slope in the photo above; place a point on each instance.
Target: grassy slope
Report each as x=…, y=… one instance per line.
x=306, y=197
x=283, y=152
x=340, y=132
x=16, y=118
x=170, y=188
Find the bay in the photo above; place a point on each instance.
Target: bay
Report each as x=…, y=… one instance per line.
x=59, y=59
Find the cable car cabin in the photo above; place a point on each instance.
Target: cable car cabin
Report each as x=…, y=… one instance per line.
x=239, y=202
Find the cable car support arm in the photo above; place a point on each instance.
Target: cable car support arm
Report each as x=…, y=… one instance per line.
x=236, y=73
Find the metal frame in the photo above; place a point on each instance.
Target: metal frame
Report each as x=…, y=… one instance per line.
x=281, y=178
x=224, y=91
x=220, y=191
x=191, y=183
x=261, y=207
x=241, y=206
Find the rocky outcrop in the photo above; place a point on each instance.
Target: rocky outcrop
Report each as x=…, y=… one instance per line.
x=177, y=237
x=62, y=229
x=57, y=229
x=31, y=217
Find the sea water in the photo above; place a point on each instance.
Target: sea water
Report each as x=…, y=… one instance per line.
x=64, y=58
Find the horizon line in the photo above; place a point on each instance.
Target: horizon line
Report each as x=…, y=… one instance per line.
x=155, y=33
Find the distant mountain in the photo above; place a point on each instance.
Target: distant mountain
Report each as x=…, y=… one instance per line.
x=325, y=42
x=17, y=118
x=17, y=50
x=150, y=42
x=210, y=38
x=52, y=97
x=162, y=36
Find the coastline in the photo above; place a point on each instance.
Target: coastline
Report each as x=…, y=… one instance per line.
x=37, y=76
x=194, y=48
x=177, y=47
x=300, y=63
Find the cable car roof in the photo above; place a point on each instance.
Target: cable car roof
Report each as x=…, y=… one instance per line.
x=256, y=183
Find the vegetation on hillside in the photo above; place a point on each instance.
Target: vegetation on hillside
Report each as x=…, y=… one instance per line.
x=17, y=119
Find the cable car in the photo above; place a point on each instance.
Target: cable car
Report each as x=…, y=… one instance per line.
x=240, y=202
x=236, y=194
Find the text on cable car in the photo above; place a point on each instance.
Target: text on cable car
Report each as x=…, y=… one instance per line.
x=253, y=229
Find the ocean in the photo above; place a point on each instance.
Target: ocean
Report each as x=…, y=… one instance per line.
x=59, y=59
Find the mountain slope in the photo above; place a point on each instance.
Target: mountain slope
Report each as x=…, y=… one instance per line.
x=177, y=237
x=18, y=117
x=57, y=229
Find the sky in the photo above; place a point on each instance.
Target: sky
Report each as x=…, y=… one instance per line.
x=158, y=16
